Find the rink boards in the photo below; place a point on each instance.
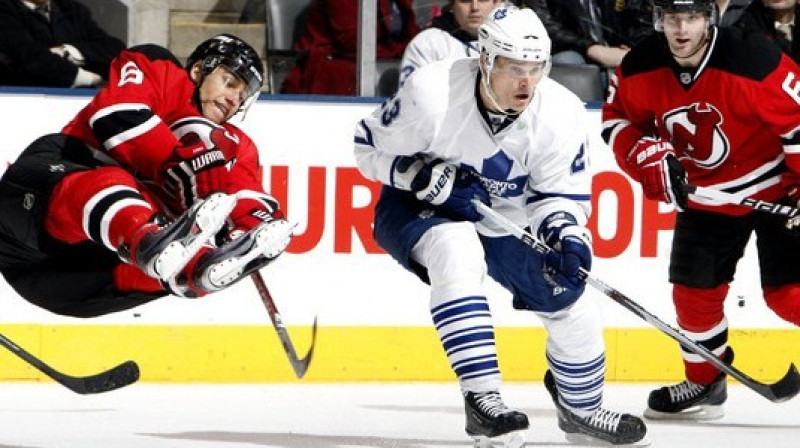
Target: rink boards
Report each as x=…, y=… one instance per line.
x=373, y=318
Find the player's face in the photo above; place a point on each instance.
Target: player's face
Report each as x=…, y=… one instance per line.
x=469, y=14
x=221, y=94
x=686, y=34
x=513, y=82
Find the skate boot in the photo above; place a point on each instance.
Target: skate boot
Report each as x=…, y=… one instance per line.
x=162, y=251
x=224, y=266
x=603, y=427
x=488, y=418
x=690, y=401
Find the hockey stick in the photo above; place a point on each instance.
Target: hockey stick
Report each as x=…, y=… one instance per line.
x=722, y=197
x=300, y=366
x=114, y=378
x=786, y=388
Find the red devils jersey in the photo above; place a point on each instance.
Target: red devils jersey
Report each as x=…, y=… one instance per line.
x=145, y=112
x=733, y=120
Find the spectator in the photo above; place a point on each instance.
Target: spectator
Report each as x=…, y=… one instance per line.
x=730, y=11
x=329, y=42
x=53, y=43
x=454, y=34
x=776, y=18
x=587, y=31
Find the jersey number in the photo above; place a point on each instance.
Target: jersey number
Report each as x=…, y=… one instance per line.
x=792, y=87
x=579, y=162
x=130, y=73
x=390, y=111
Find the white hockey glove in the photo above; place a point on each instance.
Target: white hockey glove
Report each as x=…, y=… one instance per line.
x=443, y=185
x=572, y=249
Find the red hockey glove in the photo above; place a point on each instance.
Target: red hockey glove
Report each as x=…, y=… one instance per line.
x=791, y=183
x=250, y=211
x=661, y=174
x=193, y=172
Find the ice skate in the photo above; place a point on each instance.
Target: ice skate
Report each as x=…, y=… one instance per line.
x=690, y=401
x=221, y=267
x=602, y=428
x=490, y=420
x=162, y=251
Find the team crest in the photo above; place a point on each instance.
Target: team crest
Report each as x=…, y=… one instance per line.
x=696, y=132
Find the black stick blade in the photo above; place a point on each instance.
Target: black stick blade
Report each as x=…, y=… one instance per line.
x=787, y=388
x=112, y=379
x=300, y=366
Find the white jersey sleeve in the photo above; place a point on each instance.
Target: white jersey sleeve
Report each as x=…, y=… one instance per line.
x=404, y=125
x=560, y=178
x=433, y=45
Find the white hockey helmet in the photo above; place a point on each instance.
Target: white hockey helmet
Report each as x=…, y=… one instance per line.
x=514, y=33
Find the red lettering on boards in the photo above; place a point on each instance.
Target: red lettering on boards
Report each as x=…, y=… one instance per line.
x=353, y=225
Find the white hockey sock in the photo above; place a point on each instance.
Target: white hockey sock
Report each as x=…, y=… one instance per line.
x=580, y=384
x=465, y=328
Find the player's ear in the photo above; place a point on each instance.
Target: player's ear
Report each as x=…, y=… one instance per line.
x=196, y=73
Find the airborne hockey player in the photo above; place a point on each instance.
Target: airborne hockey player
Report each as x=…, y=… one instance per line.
x=147, y=191
x=498, y=129
x=720, y=109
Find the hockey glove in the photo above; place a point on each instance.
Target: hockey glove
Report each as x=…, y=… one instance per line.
x=791, y=182
x=445, y=186
x=572, y=250
x=660, y=172
x=193, y=173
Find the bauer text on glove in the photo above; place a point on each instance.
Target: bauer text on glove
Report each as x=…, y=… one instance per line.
x=659, y=171
x=443, y=185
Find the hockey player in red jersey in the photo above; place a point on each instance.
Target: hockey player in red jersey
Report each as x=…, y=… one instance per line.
x=720, y=109
x=147, y=191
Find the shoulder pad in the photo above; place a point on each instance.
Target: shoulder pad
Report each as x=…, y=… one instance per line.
x=156, y=53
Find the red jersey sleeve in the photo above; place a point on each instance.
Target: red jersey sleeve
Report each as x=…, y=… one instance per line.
x=128, y=119
x=623, y=123
x=247, y=182
x=777, y=100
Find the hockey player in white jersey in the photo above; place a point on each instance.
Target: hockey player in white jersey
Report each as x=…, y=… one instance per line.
x=498, y=129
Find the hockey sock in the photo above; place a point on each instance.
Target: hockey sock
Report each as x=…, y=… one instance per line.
x=580, y=384
x=784, y=301
x=103, y=205
x=130, y=278
x=465, y=328
x=701, y=316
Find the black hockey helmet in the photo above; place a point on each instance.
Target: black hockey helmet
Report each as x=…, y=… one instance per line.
x=234, y=54
x=666, y=6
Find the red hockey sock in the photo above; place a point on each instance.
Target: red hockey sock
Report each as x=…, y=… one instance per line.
x=104, y=205
x=785, y=301
x=701, y=315
x=130, y=278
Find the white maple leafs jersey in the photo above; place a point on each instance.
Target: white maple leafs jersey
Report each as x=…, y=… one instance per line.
x=534, y=166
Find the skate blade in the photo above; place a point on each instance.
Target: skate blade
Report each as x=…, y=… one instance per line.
x=583, y=439
x=513, y=439
x=703, y=412
x=211, y=216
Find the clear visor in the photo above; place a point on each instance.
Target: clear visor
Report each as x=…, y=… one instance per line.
x=520, y=69
x=246, y=72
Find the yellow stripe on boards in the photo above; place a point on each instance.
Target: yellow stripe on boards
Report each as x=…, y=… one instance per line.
x=252, y=354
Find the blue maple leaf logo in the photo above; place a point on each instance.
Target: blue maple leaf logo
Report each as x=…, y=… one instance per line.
x=495, y=175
